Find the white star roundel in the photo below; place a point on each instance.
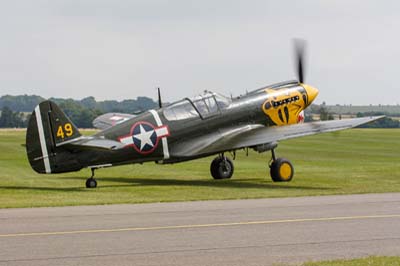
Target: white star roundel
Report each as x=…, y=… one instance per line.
x=144, y=137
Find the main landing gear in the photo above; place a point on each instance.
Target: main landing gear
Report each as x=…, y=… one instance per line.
x=221, y=167
x=91, y=182
x=281, y=169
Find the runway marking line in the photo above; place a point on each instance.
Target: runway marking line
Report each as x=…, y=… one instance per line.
x=131, y=229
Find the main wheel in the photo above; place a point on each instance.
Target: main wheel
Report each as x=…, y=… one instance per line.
x=281, y=170
x=221, y=168
x=91, y=183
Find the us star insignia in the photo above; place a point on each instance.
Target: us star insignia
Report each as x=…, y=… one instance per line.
x=144, y=137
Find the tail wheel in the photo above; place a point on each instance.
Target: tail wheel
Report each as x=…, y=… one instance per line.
x=91, y=183
x=281, y=170
x=221, y=168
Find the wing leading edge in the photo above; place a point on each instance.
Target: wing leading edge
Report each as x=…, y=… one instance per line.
x=255, y=136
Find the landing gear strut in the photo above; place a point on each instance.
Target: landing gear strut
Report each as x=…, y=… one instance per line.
x=91, y=182
x=221, y=167
x=281, y=169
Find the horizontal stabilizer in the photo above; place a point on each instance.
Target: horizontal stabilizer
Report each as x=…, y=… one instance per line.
x=110, y=119
x=92, y=143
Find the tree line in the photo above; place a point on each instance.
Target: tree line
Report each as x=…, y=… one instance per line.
x=15, y=110
x=10, y=119
x=325, y=114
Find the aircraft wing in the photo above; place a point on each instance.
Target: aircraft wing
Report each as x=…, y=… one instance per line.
x=252, y=135
x=110, y=119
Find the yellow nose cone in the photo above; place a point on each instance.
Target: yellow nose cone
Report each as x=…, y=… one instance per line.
x=311, y=93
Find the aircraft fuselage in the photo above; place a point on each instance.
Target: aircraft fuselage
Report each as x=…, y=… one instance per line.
x=153, y=135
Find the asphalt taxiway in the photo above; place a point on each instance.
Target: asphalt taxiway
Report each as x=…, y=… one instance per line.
x=237, y=232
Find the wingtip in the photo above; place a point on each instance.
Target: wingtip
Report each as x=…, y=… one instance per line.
x=377, y=117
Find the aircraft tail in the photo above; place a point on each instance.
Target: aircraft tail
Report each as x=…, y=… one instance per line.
x=48, y=128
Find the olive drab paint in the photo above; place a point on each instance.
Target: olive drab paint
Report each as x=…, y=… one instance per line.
x=54, y=143
x=185, y=130
x=188, y=129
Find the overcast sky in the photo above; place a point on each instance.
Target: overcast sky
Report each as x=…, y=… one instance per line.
x=121, y=49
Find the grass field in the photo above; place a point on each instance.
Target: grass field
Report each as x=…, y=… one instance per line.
x=352, y=161
x=369, y=261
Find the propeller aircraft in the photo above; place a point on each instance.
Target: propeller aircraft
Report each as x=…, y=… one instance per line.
x=192, y=128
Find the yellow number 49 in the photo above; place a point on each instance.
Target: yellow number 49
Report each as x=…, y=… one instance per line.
x=65, y=130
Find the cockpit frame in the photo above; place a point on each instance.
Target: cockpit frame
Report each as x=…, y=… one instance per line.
x=201, y=104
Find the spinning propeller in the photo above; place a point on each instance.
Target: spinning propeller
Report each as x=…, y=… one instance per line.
x=300, y=53
x=299, y=46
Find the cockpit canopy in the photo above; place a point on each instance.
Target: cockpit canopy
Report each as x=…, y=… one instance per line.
x=205, y=105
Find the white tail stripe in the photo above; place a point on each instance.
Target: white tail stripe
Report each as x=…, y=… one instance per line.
x=164, y=139
x=42, y=140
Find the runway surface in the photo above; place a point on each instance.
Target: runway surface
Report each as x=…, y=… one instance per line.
x=240, y=232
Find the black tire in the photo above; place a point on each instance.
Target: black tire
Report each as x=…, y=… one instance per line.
x=221, y=168
x=281, y=170
x=91, y=183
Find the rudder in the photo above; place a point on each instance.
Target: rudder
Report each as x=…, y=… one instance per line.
x=47, y=128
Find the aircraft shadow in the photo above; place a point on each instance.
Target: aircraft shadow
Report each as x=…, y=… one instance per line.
x=63, y=189
x=231, y=183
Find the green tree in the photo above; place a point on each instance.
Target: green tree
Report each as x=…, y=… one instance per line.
x=81, y=112
x=11, y=119
x=20, y=103
x=324, y=114
x=385, y=122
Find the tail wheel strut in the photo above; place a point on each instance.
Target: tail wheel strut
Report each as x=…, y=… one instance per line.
x=91, y=182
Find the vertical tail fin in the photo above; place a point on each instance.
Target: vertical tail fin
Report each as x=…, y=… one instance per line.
x=48, y=127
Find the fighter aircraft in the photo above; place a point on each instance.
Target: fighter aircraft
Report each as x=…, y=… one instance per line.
x=192, y=128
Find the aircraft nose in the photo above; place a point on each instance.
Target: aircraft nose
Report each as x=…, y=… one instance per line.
x=311, y=92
